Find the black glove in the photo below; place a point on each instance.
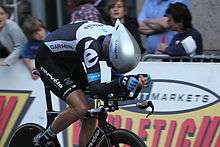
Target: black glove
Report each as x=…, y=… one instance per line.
x=130, y=82
x=147, y=78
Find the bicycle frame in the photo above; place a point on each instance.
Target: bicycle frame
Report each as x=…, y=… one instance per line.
x=103, y=128
x=105, y=134
x=50, y=113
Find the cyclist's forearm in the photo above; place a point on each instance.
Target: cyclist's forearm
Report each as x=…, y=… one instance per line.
x=106, y=88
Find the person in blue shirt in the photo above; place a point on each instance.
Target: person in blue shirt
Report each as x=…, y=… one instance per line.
x=188, y=40
x=153, y=24
x=36, y=32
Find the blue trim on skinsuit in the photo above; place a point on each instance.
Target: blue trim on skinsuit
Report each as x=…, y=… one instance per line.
x=94, y=76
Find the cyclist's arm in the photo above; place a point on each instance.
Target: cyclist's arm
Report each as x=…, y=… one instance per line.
x=91, y=60
x=106, y=88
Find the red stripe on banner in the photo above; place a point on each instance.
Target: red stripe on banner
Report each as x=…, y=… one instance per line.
x=159, y=125
x=6, y=112
x=188, y=128
x=75, y=135
x=144, y=124
x=210, y=133
x=170, y=133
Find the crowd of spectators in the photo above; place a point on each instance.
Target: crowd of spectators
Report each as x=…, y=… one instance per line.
x=161, y=27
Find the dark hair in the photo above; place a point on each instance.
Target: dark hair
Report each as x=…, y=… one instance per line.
x=81, y=2
x=111, y=4
x=180, y=13
x=31, y=25
x=4, y=8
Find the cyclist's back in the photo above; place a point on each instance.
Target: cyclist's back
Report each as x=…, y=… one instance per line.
x=70, y=41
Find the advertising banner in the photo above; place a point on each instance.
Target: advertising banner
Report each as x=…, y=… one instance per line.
x=185, y=96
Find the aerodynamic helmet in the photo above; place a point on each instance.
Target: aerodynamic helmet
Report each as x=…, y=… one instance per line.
x=124, y=52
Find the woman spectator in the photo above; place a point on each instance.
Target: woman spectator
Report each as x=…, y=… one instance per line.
x=188, y=40
x=117, y=9
x=36, y=32
x=11, y=37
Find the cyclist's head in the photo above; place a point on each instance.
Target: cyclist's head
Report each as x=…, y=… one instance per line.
x=123, y=51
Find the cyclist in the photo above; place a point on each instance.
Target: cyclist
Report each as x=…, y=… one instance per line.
x=59, y=61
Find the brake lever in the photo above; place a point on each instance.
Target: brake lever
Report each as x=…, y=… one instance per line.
x=146, y=104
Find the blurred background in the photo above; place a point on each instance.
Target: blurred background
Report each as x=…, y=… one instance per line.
x=55, y=13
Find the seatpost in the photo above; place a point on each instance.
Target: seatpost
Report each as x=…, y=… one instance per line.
x=48, y=99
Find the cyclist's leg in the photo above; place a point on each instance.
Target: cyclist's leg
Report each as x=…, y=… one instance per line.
x=56, y=74
x=78, y=106
x=88, y=126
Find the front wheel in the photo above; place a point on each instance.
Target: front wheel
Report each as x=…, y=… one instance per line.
x=122, y=138
x=24, y=135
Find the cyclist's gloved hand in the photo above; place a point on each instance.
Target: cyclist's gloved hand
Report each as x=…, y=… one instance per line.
x=130, y=82
x=146, y=80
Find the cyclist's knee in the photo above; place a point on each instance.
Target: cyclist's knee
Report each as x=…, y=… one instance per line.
x=77, y=100
x=80, y=107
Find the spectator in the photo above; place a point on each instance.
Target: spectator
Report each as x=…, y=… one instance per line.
x=100, y=6
x=69, y=6
x=85, y=10
x=24, y=11
x=188, y=40
x=117, y=9
x=36, y=32
x=3, y=52
x=11, y=37
x=153, y=24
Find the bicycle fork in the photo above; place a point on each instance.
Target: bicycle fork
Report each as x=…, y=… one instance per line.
x=102, y=131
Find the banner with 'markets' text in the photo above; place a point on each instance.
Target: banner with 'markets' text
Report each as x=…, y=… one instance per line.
x=185, y=95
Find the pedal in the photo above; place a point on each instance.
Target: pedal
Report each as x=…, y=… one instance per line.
x=38, y=143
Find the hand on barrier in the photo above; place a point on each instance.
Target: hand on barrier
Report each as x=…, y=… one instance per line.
x=35, y=74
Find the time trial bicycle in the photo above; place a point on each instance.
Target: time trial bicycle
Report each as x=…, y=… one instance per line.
x=105, y=134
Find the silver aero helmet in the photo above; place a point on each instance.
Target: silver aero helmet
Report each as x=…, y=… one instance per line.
x=123, y=52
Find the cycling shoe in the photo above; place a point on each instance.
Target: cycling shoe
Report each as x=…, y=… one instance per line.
x=39, y=141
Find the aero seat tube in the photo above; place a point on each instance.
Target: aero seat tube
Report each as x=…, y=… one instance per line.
x=48, y=99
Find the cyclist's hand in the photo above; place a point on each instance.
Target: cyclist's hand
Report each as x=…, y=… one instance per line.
x=145, y=80
x=130, y=82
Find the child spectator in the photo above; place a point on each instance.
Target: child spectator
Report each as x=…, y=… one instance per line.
x=12, y=38
x=36, y=32
x=188, y=40
x=117, y=9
